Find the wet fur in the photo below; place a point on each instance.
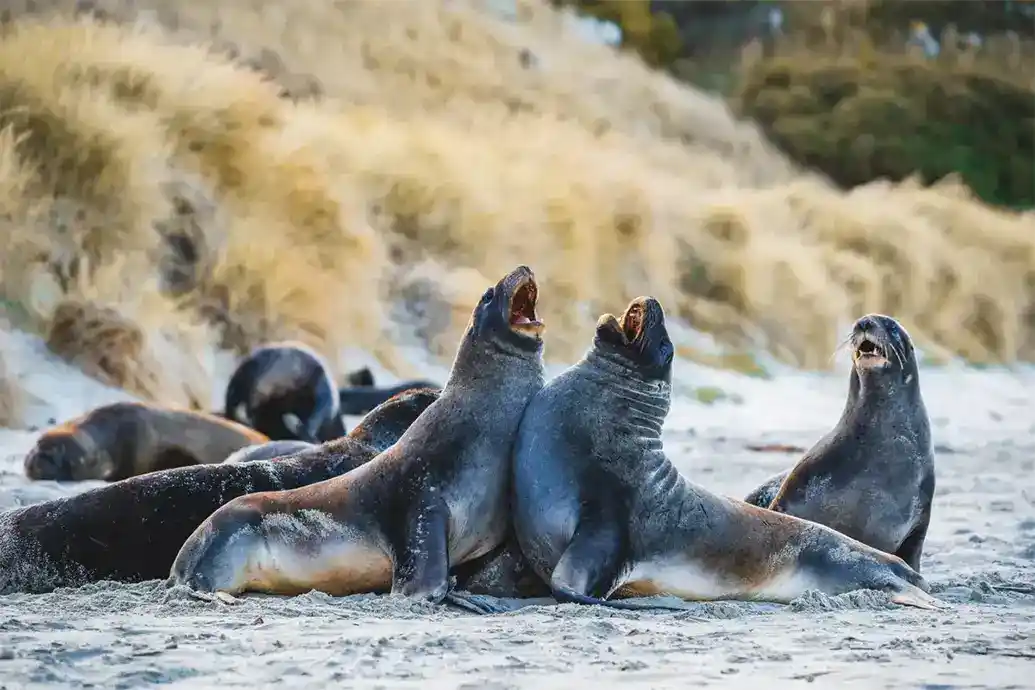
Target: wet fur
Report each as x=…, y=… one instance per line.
x=128, y=439
x=286, y=380
x=132, y=530
x=435, y=500
x=872, y=476
x=601, y=512
x=268, y=451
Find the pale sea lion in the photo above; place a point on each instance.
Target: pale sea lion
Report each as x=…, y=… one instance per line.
x=872, y=476
x=285, y=390
x=436, y=499
x=600, y=511
x=131, y=530
x=126, y=439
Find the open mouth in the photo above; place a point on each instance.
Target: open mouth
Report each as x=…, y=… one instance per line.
x=522, y=309
x=869, y=352
x=632, y=322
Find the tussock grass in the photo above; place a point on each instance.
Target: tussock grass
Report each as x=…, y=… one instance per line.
x=176, y=189
x=12, y=394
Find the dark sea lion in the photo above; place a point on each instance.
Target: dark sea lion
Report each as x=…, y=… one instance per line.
x=872, y=476
x=126, y=439
x=435, y=500
x=131, y=530
x=600, y=511
x=269, y=450
x=360, y=377
x=361, y=399
x=285, y=390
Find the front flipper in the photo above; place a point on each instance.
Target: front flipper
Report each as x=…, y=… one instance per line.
x=421, y=568
x=589, y=568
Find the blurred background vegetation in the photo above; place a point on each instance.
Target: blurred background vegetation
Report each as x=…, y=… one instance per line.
x=862, y=89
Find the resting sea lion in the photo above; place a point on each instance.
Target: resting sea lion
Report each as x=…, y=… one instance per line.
x=436, y=499
x=126, y=439
x=285, y=390
x=599, y=510
x=362, y=399
x=268, y=451
x=872, y=476
x=131, y=530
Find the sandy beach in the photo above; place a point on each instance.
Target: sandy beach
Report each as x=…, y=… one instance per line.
x=979, y=557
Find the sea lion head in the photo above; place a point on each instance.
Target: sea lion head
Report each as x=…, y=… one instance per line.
x=383, y=425
x=505, y=318
x=67, y=455
x=639, y=338
x=882, y=351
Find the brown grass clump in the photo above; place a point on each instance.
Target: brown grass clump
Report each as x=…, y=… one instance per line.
x=179, y=189
x=142, y=343
x=12, y=395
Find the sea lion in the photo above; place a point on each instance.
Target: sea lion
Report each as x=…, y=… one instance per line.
x=361, y=399
x=126, y=439
x=436, y=499
x=360, y=377
x=872, y=476
x=268, y=451
x=599, y=510
x=285, y=390
x=131, y=530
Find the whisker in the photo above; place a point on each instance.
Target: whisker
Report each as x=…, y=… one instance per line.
x=840, y=346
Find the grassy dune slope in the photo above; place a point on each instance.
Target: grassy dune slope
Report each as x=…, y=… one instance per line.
x=157, y=197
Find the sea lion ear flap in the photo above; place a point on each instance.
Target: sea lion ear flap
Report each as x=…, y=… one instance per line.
x=610, y=331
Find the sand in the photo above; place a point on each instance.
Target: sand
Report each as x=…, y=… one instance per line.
x=980, y=556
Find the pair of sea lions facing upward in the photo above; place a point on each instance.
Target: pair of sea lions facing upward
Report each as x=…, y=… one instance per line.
x=600, y=511
x=872, y=476
x=435, y=500
x=125, y=439
x=131, y=530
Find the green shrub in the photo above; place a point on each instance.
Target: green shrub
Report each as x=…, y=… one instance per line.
x=890, y=116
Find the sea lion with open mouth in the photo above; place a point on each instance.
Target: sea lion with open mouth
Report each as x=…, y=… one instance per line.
x=872, y=476
x=601, y=512
x=436, y=499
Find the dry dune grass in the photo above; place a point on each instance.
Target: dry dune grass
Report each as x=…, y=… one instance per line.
x=12, y=395
x=447, y=146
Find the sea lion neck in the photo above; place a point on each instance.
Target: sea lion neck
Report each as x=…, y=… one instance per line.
x=491, y=362
x=641, y=404
x=887, y=399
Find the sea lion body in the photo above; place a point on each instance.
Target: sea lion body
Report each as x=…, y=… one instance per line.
x=269, y=450
x=600, y=511
x=436, y=499
x=132, y=530
x=285, y=390
x=872, y=476
x=355, y=400
x=127, y=439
